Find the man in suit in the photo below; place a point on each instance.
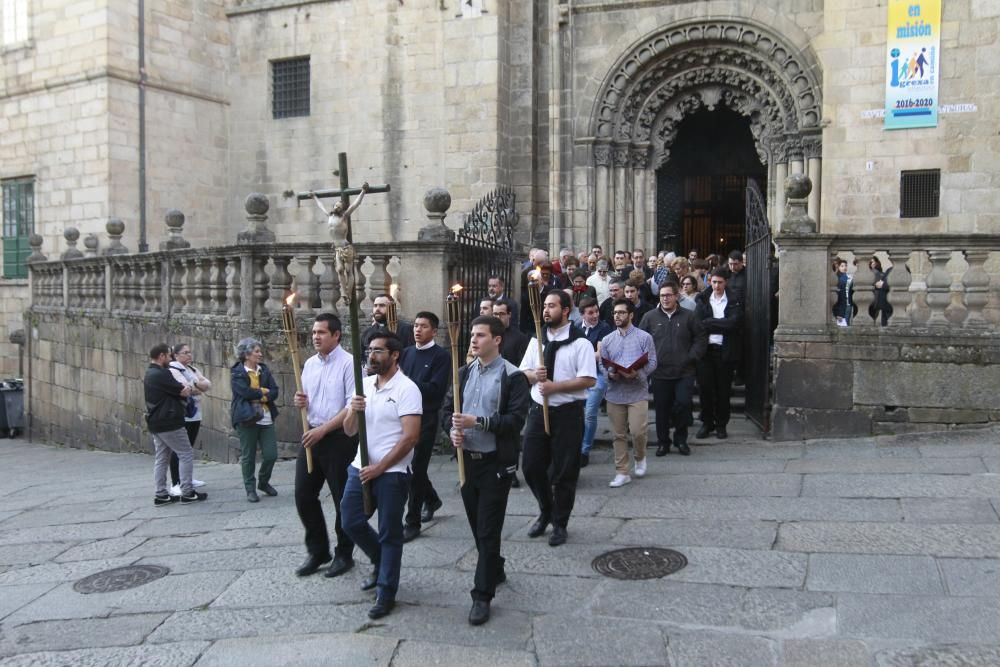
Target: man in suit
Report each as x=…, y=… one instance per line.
x=496, y=289
x=515, y=342
x=721, y=315
x=379, y=323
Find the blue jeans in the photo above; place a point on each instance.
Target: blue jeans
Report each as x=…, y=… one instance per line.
x=594, y=397
x=385, y=548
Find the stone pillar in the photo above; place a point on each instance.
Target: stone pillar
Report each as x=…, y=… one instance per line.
x=803, y=261
x=256, y=206
x=976, y=282
x=816, y=176
x=602, y=199
x=115, y=228
x=71, y=234
x=780, y=174
x=620, y=239
x=938, y=287
x=437, y=201
x=174, y=220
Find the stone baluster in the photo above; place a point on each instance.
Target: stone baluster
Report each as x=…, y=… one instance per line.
x=115, y=228
x=218, y=286
x=92, y=299
x=899, y=288
x=304, y=285
x=864, y=279
x=938, y=287
x=281, y=283
x=151, y=286
x=329, y=285
x=233, y=291
x=71, y=234
x=394, y=269
x=260, y=283
x=125, y=286
x=204, y=285
x=191, y=284
x=178, y=301
x=144, y=301
x=174, y=220
x=976, y=282
x=368, y=293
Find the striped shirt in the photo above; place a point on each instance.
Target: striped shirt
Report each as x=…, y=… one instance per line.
x=624, y=348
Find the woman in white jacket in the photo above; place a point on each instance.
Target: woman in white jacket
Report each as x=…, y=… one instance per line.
x=187, y=374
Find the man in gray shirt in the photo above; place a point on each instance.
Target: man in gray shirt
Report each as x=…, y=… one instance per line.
x=495, y=398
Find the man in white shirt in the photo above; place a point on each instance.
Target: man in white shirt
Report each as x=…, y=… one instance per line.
x=721, y=315
x=552, y=461
x=600, y=281
x=327, y=386
x=392, y=406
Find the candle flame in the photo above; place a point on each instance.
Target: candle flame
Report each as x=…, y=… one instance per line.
x=535, y=275
x=456, y=288
x=290, y=301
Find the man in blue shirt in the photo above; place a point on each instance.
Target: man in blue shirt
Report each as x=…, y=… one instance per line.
x=594, y=328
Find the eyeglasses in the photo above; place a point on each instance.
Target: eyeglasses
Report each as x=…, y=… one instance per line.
x=602, y=272
x=376, y=350
x=623, y=313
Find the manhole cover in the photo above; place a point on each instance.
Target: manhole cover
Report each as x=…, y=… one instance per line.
x=120, y=579
x=639, y=563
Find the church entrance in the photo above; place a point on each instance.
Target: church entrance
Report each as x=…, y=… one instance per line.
x=701, y=188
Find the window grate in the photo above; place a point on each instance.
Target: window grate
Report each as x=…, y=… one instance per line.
x=290, y=87
x=18, y=225
x=920, y=193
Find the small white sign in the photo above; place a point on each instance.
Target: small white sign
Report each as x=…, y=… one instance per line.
x=869, y=166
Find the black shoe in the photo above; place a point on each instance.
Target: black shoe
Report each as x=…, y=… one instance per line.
x=703, y=432
x=166, y=499
x=371, y=580
x=381, y=608
x=480, y=612
x=410, y=533
x=252, y=496
x=515, y=483
x=558, y=536
x=193, y=496
x=267, y=488
x=720, y=433
x=584, y=462
x=429, y=508
x=663, y=449
x=538, y=528
x=683, y=449
x=339, y=566
x=311, y=565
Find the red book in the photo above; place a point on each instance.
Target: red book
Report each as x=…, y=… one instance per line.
x=636, y=365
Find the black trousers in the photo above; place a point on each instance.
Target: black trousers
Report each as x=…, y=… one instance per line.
x=487, y=486
x=715, y=380
x=331, y=457
x=552, y=462
x=175, y=468
x=421, y=489
x=672, y=402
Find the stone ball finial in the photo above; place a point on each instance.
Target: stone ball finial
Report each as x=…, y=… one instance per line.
x=115, y=226
x=797, y=186
x=90, y=242
x=71, y=234
x=256, y=203
x=36, y=241
x=437, y=200
x=174, y=219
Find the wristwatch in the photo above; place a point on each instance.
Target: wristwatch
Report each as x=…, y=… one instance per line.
x=480, y=423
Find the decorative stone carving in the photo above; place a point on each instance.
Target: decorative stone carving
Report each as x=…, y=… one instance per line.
x=35, y=241
x=256, y=206
x=437, y=201
x=115, y=228
x=174, y=220
x=71, y=235
x=797, y=220
x=794, y=148
x=602, y=155
x=812, y=146
x=640, y=158
x=620, y=156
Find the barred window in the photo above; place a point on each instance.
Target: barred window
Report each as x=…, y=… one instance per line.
x=15, y=21
x=18, y=225
x=920, y=193
x=290, y=87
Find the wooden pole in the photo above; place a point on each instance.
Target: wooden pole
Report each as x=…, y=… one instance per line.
x=291, y=332
x=454, y=331
x=534, y=301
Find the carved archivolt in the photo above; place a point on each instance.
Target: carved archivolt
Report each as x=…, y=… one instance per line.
x=696, y=65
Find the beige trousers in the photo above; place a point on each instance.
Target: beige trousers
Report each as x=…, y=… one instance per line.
x=631, y=418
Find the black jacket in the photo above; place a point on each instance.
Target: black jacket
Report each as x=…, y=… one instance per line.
x=241, y=410
x=596, y=333
x=403, y=329
x=680, y=342
x=514, y=344
x=164, y=403
x=430, y=370
x=730, y=326
x=506, y=423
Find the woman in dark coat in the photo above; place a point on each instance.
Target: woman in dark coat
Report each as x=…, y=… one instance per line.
x=844, y=309
x=880, y=300
x=253, y=414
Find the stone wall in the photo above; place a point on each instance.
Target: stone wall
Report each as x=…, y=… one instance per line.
x=13, y=302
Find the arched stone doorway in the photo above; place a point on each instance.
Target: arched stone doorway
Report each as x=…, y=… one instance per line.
x=699, y=66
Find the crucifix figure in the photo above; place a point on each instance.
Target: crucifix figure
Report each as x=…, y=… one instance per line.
x=339, y=219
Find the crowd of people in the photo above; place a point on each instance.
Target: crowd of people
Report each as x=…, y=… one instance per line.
x=614, y=332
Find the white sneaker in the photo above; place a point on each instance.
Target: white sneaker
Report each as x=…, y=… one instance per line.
x=175, y=490
x=619, y=480
x=197, y=482
x=640, y=467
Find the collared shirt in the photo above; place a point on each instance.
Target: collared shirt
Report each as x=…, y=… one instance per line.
x=624, y=348
x=719, y=313
x=572, y=361
x=601, y=285
x=328, y=382
x=426, y=346
x=481, y=397
x=254, y=375
x=385, y=407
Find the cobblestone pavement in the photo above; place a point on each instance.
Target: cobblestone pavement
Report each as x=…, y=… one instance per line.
x=836, y=552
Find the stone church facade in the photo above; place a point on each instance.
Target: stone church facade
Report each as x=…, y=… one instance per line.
x=629, y=123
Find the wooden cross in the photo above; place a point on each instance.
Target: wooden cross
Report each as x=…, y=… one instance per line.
x=344, y=192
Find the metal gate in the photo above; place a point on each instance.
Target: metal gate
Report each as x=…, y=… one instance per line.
x=759, y=293
x=486, y=248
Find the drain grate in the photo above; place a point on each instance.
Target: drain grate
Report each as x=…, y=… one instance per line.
x=639, y=563
x=120, y=579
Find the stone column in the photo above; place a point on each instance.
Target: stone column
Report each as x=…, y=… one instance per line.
x=641, y=237
x=780, y=174
x=812, y=146
x=620, y=158
x=602, y=203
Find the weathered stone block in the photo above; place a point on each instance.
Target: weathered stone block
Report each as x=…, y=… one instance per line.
x=803, y=423
x=813, y=383
x=948, y=416
x=933, y=385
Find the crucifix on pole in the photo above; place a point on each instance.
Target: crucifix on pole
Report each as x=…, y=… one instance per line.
x=340, y=230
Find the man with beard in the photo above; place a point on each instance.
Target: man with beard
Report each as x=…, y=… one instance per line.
x=615, y=291
x=496, y=289
x=392, y=407
x=327, y=387
x=494, y=402
x=562, y=377
x=514, y=342
x=380, y=312
x=429, y=366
